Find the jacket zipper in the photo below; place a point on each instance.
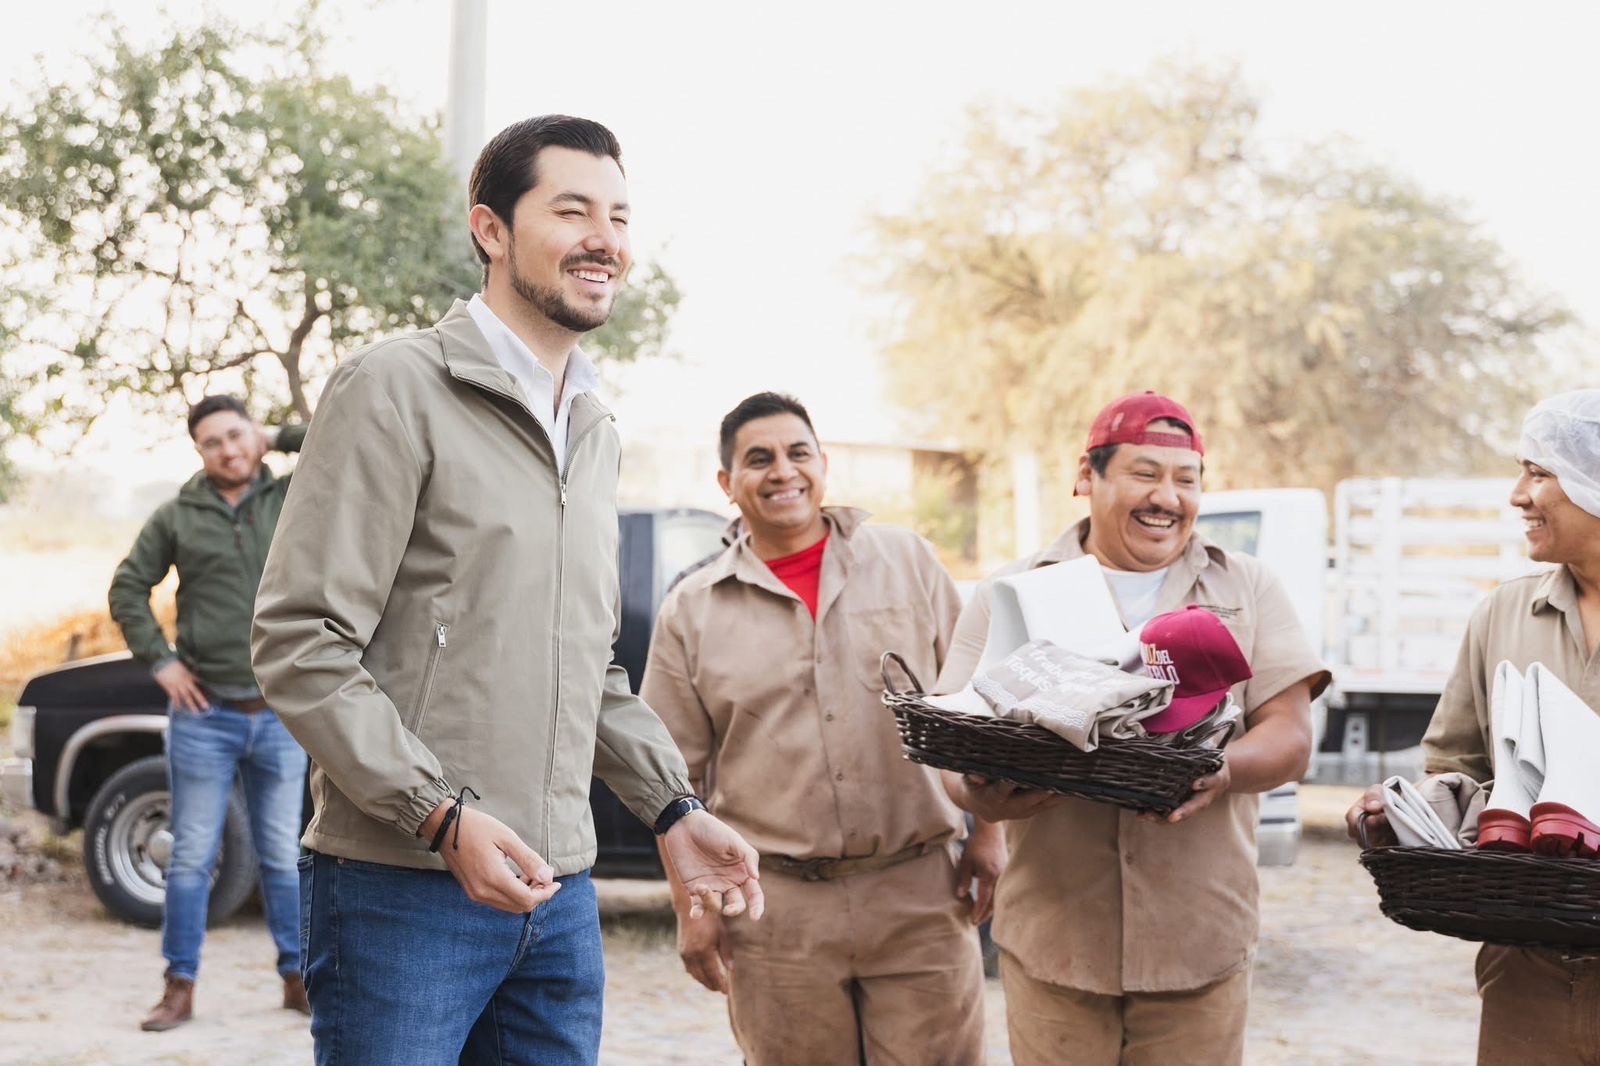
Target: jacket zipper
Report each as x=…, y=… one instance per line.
x=440, y=629
x=561, y=570
x=555, y=633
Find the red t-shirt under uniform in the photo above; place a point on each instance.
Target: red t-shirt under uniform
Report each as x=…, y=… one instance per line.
x=802, y=572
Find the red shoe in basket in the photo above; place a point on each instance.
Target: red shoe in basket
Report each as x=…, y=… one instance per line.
x=1503, y=830
x=1560, y=830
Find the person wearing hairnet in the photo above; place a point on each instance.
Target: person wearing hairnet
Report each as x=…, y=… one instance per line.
x=1539, y=1007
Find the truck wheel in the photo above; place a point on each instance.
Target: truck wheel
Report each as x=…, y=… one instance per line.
x=127, y=841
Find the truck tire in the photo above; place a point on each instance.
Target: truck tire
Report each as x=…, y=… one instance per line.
x=126, y=843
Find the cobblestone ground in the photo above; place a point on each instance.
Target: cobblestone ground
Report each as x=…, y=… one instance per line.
x=1335, y=983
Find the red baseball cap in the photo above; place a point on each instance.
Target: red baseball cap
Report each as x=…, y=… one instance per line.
x=1127, y=421
x=1194, y=650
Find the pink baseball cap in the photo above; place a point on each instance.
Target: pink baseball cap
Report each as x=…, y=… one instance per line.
x=1127, y=421
x=1194, y=650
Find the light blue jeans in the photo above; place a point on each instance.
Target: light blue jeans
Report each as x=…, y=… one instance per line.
x=404, y=970
x=205, y=751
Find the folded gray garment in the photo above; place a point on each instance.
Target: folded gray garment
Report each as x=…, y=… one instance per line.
x=1223, y=723
x=1079, y=699
x=1437, y=812
x=1457, y=800
x=1414, y=821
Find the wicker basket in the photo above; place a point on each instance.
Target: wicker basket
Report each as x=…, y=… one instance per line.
x=1517, y=898
x=1139, y=774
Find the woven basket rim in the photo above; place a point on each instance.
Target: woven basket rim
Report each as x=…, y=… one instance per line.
x=1136, y=773
x=1467, y=901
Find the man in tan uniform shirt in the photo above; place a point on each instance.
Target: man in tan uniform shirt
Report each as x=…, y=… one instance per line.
x=772, y=691
x=1125, y=938
x=1540, y=1008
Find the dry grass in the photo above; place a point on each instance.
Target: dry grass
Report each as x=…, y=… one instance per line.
x=25, y=652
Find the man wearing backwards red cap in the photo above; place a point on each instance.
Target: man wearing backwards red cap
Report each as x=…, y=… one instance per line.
x=1127, y=938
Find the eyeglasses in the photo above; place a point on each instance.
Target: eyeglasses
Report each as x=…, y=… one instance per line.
x=212, y=445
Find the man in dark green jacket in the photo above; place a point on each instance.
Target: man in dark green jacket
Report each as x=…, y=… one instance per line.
x=216, y=532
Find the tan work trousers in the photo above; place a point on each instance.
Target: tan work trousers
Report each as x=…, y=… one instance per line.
x=1539, y=1008
x=1050, y=1025
x=880, y=967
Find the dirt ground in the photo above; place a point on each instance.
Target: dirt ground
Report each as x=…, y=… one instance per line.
x=1335, y=982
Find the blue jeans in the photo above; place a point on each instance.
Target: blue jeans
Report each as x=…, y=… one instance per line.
x=205, y=751
x=402, y=969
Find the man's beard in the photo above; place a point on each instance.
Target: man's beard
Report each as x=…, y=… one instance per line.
x=551, y=303
x=228, y=484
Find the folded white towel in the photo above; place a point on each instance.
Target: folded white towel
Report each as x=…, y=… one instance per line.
x=1067, y=604
x=1570, y=748
x=1516, y=735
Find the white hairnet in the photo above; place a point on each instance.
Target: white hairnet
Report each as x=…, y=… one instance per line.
x=1562, y=435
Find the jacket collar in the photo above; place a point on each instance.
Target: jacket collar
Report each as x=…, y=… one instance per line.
x=468, y=358
x=197, y=491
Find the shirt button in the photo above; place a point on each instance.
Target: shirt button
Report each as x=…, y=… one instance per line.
x=829, y=717
x=838, y=777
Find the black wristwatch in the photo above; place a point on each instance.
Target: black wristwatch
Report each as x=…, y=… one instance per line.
x=675, y=810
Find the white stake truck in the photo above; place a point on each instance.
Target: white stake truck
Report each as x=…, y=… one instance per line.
x=1388, y=597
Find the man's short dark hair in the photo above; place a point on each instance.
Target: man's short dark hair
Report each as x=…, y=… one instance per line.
x=506, y=167
x=1100, y=458
x=210, y=405
x=761, y=405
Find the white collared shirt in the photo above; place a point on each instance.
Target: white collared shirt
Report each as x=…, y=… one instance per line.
x=538, y=384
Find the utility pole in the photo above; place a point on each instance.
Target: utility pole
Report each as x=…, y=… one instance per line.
x=463, y=121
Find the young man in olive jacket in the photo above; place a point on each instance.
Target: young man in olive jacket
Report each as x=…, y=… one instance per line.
x=435, y=625
x=216, y=532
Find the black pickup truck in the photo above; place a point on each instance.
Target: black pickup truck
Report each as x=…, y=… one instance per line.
x=87, y=742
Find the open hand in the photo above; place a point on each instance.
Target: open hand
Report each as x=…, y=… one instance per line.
x=718, y=868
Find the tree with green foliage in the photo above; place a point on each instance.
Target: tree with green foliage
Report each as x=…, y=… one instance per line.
x=216, y=210
x=1321, y=316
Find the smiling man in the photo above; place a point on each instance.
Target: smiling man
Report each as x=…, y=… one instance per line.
x=435, y=626
x=1125, y=938
x=1538, y=1006
x=215, y=533
x=765, y=666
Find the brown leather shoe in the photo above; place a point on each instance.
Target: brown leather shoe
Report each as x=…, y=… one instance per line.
x=294, y=994
x=175, y=1008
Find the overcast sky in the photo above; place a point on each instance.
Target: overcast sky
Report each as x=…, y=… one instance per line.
x=759, y=138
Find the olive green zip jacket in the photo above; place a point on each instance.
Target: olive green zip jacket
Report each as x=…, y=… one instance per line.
x=219, y=553
x=439, y=605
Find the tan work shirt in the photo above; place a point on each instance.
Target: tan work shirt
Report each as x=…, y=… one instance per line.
x=1095, y=899
x=1533, y=619
x=779, y=717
